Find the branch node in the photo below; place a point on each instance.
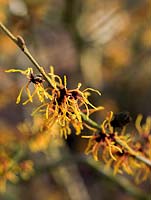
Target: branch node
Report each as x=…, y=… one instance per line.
x=21, y=43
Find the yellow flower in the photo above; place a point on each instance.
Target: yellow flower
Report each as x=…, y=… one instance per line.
x=37, y=80
x=26, y=169
x=36, y=135
x=7, y=170
x=105, y=145
x=40, y=142
x=144, y=131
x=65, y=105
x=142, y=173
x=59, y=104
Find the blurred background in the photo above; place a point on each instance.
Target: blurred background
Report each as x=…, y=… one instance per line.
x=103, y=44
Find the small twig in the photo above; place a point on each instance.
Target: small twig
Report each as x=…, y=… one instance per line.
x=143, y=159
x=19, y=41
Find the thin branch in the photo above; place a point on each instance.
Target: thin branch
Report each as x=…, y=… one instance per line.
x=97, y=167
x=67, y=173
x=119, y=180
x=19, y=41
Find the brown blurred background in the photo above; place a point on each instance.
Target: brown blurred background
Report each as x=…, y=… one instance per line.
x=103, y=44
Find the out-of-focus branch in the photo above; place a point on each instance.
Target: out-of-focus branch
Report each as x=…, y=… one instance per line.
x=119, y=180
x=66, y=173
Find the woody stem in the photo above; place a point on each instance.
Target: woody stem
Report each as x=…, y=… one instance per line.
x=19, y=41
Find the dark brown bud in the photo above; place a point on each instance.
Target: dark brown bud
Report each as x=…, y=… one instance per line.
x=120, y=120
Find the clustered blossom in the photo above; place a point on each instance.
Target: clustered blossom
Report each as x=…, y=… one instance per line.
x=62, y=108
x=105, y=138
x=117, y=149
x=36, y=136
x=60, y=104
x=145, y=134
x=11, y=166
x=38, y=86
x=59, y=110
x=11, y=169
x=143, y=146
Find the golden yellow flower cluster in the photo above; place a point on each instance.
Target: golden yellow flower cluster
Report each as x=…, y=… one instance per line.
x=62, y=108
x=11, y=169
x=117, y=148
x=12, y=166
x=59, y=104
